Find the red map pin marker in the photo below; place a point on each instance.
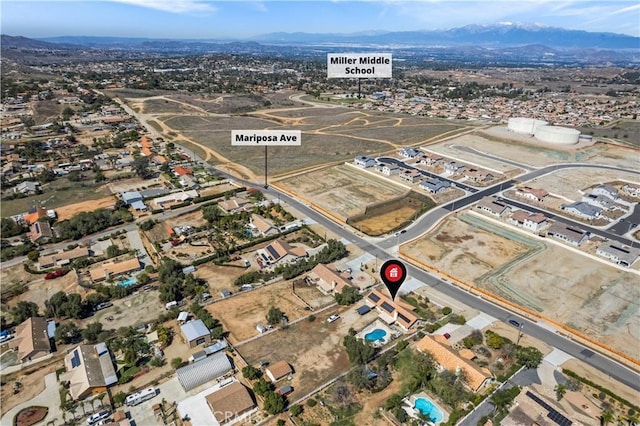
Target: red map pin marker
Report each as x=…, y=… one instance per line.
x=393, y=273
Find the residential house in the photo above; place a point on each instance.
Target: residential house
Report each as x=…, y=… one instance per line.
x=159, y=159
x=534, y=194
x=280, y=251
x=631, y=189
x=146, y=146
x=278, y=371
x=182, y=171
x=532, y=221
x=390, y=169
x=493, y=206
x=435, y=185
x=263, y=226
x=328, y=280
x=364, y=161
x=606, y=190
x=174, y=198
x=114, y=269
x=582, y=209
x=62, y=258
x=431, y=160
x=476, y=378
x=27, y=187
x=392, y=312
x=599, y=200
x=90, y=370
x=454, y=168
x=230, y=402
x=40, y=232
x=195, y=333
x=478, y=176
x=212, y=367
x=131, y=197
x=412, y=176
x=32, y=340
x=409, y=152
x=187, y=181
x=35, y=215
x=618, y=253
x=568, y=233
x=235, y=204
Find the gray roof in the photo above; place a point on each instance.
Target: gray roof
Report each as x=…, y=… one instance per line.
x=623, y=253
x=584, y=208
x=131, y=196
x=435, y=184
x=203, y=371
x=194, y=329
x=152, y=193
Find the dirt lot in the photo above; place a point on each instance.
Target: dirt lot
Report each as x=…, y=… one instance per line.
x=503, y=144
x=589, y=296
x=41, y=289
x=314, y=349
x=219, y=277
x=241, y=314
x=70, y=210
x=191, y=219
x=138, y=308
x=342, y=190
x=384, y=223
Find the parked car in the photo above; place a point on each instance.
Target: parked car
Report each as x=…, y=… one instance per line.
x=57, y=273
x=514, y=323
x=95, y=418
x=333, y=318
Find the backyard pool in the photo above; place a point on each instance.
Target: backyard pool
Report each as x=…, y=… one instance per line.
x=428, y=408
x=127, y=283
x=375, y=335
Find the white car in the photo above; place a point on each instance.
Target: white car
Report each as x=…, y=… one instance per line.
x=333, y=318
x=6, y=338
x=95, y=418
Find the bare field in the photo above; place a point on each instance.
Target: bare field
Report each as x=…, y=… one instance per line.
x=313, y=349
x=597, y=300
x=217, y=189
x=194, y=219
x=71, y=210
x=190, y=125
x=41, y=289
x=342, y=190
x=449, y=149
x=399, y=134
x=241, y=314
x=219, y=277
x=383, y=223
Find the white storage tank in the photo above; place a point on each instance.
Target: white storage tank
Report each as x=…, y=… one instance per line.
x=557, y=135
x=525, y=125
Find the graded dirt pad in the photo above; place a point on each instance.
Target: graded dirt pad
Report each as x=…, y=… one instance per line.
x=194, y=219
x=71, y=210
x=498, y=142
x=313, y=349
x=573, y=183
x=589, y=296
x=32, y=385
x=40, y=289
x=219, y=277
x=400, y=134
x=241, y=314
x=138, y=308
x=342, y=190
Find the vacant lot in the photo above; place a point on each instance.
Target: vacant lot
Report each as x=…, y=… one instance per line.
x=41, y=289
x=342, y=190
x=595, y=299
x=398, y=133
x=313, y=349
x=242, y=313
x=572, y=183
x=138, y=308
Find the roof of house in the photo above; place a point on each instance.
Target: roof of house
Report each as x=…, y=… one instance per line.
x=41, y=230
x=539, y=193
x=401, y=312
x=160, y=159
x=520, y=215
x=31, y=336
x=449, y=359
x=114, y=268
x=194, y=330
x=131, y=196
x=280, y=248
x=607, y=188
x=234, y=398
x=492, y=204
x=583, y=208
x=568, y=231
x=181, y=171
x=364, y=158
x=435, y=184
x=88, y=366
x=262, y=224
x=203, y=371
x=328, y=277
x=64, y=255
x=280, y=369
x=35, y=215
x=622, y=252
x=233, y=203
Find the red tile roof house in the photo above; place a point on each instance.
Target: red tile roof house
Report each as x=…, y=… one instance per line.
x=535, y=194
x=182, y=171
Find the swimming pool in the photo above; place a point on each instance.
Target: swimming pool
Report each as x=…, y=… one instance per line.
x=376, y=335
x=127, y=283
x=428, y=408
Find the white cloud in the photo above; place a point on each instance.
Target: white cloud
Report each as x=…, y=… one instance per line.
x=172, y=6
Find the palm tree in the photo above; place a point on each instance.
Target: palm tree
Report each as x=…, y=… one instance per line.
x=560, y=391
x=606, y=416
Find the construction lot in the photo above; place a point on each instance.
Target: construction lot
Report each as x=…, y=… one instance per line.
x=342, y=190
x=586, y=294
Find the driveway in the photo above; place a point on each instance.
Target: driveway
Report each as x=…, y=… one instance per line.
x=49, y=397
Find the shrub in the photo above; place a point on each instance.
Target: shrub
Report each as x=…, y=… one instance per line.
x=446, y=310
x=312, y=402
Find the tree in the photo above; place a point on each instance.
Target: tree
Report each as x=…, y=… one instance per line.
x=112, y=251
x=33, y=255
x=273, y=403
x=359, y=351
x=348, y=296
x=91, y=333
x=494, y=340
x=176, y=363
x=560, y=391
x=446, y=310
x=67, y=112
x=295, y=410
x=503, y=398
x=119, y=398
x=10, y=228
x=250, y=372
x=142, y=278
x=141, y=166
x=530, y=357
x=24, y=310
x=67, y=333
x=274, y=315
x=262, y=387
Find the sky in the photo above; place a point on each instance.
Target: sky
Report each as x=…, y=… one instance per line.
x=201, y=19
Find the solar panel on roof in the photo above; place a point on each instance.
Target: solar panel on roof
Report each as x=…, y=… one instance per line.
x=387, y=307
x=374, y=297
x=273, y=252
x=559, y=418
x=75, y=359
x=403, y=318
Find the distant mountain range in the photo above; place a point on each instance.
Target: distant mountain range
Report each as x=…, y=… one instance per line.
x=488, y=36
